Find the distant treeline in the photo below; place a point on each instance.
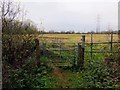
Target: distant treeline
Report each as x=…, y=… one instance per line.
x=73, y=32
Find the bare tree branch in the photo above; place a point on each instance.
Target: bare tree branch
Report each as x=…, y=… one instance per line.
x=10, y=12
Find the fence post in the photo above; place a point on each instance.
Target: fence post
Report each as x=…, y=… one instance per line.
x=44, y=49
x=60, y=52
x=81, y=49
x=74, y=54
x=111, y=40
x=79, y=56
x=37, y=54
x=91, y=45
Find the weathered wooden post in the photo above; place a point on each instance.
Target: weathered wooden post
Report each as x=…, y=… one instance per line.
x=44, y=49
x=111, y=40
x=37, y=50
x=79, y=56
x=91, y=45
x=81, y=49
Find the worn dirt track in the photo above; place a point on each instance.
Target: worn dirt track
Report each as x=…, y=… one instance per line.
x=62, y=76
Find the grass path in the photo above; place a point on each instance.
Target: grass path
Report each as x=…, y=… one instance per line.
x=62, y=76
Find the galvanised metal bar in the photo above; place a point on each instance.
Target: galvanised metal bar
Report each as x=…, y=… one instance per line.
x=103, y=51
x=101, y=42
x=57, y=49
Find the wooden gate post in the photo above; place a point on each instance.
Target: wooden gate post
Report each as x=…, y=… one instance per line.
x=79, y=56
x=44, y=49
x=111, y=40
x=37, y=49
x=81, y=49
x=91, y=46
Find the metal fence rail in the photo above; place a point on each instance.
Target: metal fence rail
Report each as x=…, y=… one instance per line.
x=60, y=51
x=110, y=44
x=75, y=52
x=83, y=45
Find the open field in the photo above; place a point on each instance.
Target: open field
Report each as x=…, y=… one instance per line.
x=59, y=58
x=74, y=38
x=57, y=67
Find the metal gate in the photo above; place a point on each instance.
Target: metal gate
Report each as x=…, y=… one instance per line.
x=60, y=52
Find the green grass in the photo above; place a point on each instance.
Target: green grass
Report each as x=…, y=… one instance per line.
x=94, y=75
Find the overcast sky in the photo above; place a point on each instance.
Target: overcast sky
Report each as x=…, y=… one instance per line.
x=77, y=15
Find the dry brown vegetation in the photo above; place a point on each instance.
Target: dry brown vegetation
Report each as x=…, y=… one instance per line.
x=70, y=38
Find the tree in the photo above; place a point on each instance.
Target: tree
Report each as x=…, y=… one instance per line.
x=16, y=49
x=10, y=12
x=29, y=27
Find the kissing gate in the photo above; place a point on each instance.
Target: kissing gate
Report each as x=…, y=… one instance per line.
x=64, y=53
x=73, y=53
